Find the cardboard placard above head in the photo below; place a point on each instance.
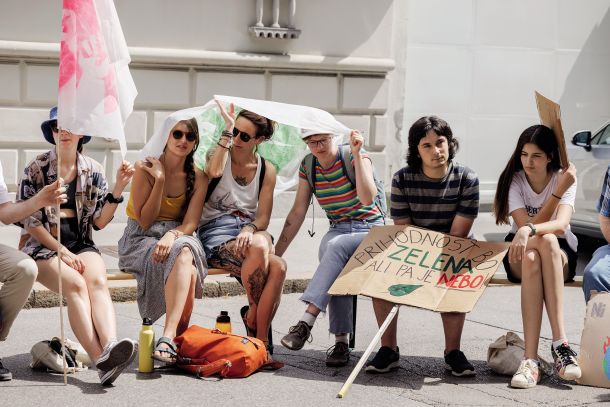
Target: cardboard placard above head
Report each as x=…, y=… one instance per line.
x=550, y=116
x=422, y=268
x=285, y=149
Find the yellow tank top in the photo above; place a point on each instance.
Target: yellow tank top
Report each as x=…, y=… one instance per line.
x=171, y=208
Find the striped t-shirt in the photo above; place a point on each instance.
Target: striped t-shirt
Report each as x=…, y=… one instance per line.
x=337, y=196
x=433, y=203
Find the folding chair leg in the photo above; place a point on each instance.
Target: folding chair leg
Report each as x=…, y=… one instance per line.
x=352, y=337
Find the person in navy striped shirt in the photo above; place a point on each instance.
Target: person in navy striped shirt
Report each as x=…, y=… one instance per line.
x=436, y=193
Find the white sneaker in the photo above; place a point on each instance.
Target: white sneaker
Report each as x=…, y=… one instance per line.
x=115, y=354
x=565, y=362
x=527, y=376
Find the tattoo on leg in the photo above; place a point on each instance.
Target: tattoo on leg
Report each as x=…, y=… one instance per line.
x=257, y=282
x=241, y=181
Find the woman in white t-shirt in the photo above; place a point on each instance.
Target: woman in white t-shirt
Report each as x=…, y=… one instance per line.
x=539, y=197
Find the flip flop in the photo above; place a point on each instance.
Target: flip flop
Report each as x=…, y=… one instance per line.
x=243, y=311
x=171, y=350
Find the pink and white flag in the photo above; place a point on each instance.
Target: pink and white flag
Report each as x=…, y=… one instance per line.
x=96, y=91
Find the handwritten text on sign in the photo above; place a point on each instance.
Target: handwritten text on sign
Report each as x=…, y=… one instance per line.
x=414, y=266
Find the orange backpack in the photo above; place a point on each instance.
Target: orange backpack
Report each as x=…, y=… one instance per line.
x=205, y=352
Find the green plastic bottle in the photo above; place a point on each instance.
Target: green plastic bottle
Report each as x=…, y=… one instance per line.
x=223, y=322
x=147, y=340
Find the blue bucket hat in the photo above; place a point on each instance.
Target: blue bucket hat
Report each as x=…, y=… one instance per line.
x=46, y=127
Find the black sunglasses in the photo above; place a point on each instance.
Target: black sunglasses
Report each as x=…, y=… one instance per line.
x=54, y=127
x=190, y=136
x=245, y=137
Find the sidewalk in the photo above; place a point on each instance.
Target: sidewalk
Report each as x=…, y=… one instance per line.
x=421, y=379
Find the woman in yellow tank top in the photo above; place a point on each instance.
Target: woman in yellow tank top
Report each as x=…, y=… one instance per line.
x=158, y=246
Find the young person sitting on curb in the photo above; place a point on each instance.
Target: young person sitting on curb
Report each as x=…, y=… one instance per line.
x=237, y=213
x=89, y=205
x=597, y=273
x=352, y=209
x=158, y=245
x=436, y=193
x=17, y=270
x=539, y=198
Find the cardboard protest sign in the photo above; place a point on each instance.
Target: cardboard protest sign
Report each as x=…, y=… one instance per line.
x=594, y=358
x=414, y=266
x=550, y=116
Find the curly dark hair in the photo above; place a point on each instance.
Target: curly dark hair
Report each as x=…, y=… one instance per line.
x=544, y=138
x=264, y=127
x=418, y=131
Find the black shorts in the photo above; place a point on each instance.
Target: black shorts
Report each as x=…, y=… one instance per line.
x=72, y=241
x=563, y=245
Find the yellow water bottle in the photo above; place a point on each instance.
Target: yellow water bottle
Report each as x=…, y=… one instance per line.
x=147, y=340
x=223, y=322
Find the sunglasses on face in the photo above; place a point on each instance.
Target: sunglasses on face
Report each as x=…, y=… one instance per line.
x=54, y=127
x=190, y=136
x=245, y=137
x=317, y=143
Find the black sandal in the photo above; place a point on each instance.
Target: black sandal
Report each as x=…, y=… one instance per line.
x=171, y=350
x=243, y=311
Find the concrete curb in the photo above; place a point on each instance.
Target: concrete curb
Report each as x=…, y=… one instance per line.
x=43, y=298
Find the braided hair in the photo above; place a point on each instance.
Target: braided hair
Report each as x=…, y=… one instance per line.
x=189, y=163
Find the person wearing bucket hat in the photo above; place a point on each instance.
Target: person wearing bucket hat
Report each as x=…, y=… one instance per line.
x=50, y=126
x=343, y=181
x=83, y=272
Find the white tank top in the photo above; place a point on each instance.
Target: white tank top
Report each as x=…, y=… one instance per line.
x=231, y=198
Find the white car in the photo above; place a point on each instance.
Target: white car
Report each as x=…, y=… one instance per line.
x=591, y=158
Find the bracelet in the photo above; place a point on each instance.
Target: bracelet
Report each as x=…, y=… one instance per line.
x=175, y=233
x=558, y=197
x=218, y=143
x=226, y=133
x=252, y=225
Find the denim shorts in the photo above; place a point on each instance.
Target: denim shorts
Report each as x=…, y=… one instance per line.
x=220, y=230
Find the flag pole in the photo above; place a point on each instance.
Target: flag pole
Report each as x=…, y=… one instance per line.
x=61, y=297
x=367, y=352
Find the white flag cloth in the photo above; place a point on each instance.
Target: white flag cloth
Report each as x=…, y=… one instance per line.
x=96, y=91
x=285, y=149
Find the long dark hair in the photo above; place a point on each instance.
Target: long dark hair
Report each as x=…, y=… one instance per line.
x=418, y=131
x=264, y=127
x=189, y=163
x=545, y=140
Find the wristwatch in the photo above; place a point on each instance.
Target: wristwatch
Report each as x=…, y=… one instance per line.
x=532, y=227
x=110, y=198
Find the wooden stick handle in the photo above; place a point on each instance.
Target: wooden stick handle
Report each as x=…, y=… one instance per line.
x=61, y=297
x=367, y=352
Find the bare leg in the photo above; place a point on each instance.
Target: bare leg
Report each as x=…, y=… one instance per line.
x=553, y=262
x=453, y=324
x=254, y=274
x=382, y=309
x=532, y=297
x=270, y=297
x=185, y=318
x=102, y=310
x=177, y=290
x=79, y=305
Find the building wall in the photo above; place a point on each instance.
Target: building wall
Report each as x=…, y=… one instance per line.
x=185, y=51
x=477, y=63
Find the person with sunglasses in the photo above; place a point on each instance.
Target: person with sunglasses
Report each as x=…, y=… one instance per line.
x=237, y=213
x=158, y=245
x=353, y=208
x=83, y=272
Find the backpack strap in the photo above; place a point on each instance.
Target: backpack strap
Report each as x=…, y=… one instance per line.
x=309, y=165
x=348, y=166
x=214, y=181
